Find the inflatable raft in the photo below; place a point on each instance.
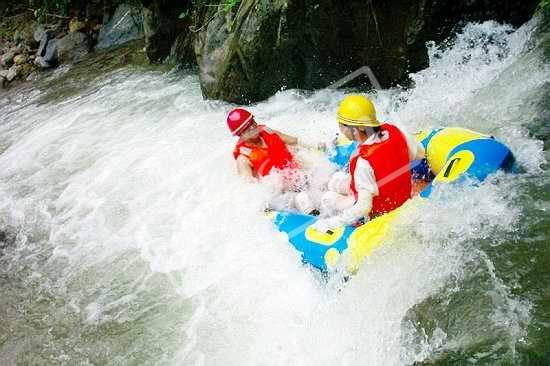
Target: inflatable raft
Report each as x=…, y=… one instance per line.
x=452, y=155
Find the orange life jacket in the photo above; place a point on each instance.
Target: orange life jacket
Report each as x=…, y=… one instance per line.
x=274, y=155
x=389, y=160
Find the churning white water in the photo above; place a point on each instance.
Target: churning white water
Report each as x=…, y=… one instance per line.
x=136, y=242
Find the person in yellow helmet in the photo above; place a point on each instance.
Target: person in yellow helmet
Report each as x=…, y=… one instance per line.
x=379, y=177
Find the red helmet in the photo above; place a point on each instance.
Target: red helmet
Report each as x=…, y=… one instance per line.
x=238, y=120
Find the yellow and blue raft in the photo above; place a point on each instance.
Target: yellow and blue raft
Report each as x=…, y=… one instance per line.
x=452, y=156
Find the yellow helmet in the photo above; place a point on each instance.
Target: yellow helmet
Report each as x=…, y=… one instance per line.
x=357, y=110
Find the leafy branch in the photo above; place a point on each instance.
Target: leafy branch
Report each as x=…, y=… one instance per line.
x=544, y=5
x=229, y=5
x=54, y=8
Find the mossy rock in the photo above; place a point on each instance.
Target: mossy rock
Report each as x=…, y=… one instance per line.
x=258, y=47
x=263, y=46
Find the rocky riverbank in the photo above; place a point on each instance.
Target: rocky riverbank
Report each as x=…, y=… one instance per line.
x=247, y=50
x=28, y=47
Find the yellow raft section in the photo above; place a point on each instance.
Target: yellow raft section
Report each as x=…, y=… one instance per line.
x=443, y=141
x=439, y=144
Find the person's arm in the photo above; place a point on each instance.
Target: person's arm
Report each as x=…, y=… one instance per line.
x=416, y=149
x=288, y=139
x=293, y=141
x=244, y=167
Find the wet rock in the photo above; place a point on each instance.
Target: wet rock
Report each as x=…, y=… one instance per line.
x=46, y=36
x=182, y=52
x=58, y=28
x=20, y=59
x=312, y=43
x=160, y=26
x=38, y=32
x=73, y=47
x=7, y=59
x=41, y=63
x=76, y=25
x=17, y=50
x=25, y=71
x=13, y=72
x=50, y=54
x=33, y=76
x=126, y=25
x=254, y=51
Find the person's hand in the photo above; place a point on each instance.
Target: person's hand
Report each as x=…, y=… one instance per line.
x=320, y=146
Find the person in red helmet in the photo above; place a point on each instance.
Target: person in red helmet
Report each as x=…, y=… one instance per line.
x=259, y=149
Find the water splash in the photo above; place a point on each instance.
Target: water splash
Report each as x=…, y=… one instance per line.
x=136, y=242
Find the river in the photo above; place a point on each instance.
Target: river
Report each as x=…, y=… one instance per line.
x=129, y=238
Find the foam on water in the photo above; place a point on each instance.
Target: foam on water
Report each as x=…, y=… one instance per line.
x=129, y=193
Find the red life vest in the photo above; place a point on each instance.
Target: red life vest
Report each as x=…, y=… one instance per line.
x=263, y=159
x=389, y=160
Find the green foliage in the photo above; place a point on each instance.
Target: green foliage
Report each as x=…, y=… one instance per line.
x=229, y=5
x=544, y=5
x=184, y=14
x=45, y=7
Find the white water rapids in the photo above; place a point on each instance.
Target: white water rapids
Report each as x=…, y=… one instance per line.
x=137, y=243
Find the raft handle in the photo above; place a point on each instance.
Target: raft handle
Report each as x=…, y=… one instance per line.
x=450, y=167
